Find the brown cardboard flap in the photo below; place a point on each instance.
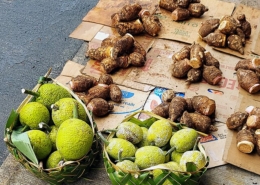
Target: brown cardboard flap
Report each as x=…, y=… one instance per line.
x=256, y=41
x=86, y=31
x=252, y=15
x=231, y=155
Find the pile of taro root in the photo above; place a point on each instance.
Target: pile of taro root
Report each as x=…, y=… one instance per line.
x=118, y=52
x=247, y=125
x=183, y=9
x=197, y=112
x=96, y=93
x=226, y=32
x=248, y=74
x=133, y=19
x=194, y=63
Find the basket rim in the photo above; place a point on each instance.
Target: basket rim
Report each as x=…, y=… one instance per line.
x=160, y=166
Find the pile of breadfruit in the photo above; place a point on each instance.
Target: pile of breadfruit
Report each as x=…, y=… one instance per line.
x=183, y=9
x=118, y=53
x=195, y=63
x=197, y=112
x=133, y=19
x=247, y=125
x=96, y=93
x=226, y=32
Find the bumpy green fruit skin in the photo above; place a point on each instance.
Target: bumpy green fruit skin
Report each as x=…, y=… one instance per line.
x=159, y=133
x=130, y=132
x=176, y=156
x=148, y=156
x=34, y=113
x=184, y=139
x=53, y=135
x=41, y=143
x=50, y=93
x=127, y=165
x=74, y=139
x=144, y=141
x=53, y=160
x=117, y=144
x=65, y=111
x=194, y=156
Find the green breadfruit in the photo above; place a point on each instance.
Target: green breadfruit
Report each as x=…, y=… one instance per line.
x=159, y=133
x=117, y=144
x=53, y=160
x=130, y=132
x=194, y=156
x=53, y=135
x=148, y=156
x=127, y=165
x=34, y=113
x=63, y=110
x=41, y=143
x=144, y=141
x=184, y=139
x=74, y=139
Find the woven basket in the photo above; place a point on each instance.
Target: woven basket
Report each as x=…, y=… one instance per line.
x=118, y=176
x=69, y=171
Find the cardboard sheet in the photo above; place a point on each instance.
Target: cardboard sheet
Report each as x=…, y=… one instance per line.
x=256, y=41
x=231, y=155
x=252, y=15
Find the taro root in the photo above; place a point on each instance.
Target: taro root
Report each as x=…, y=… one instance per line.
x=242, y=35
x=108, y=65
x=132, y=27
x=245, y=25
x=198, y=121
x=123, y=61
x=180, y=14
x=257, y=141
x=235, y=43
x=105, y=79
x=82, y=83
x=249, y=64
x=212, y=75
x=245, y=141
x=151, y=23
x=169, y=5
x=123, y=45
x=100, y=107
x=203, y=105
x=253, y=122
x=98, y=91
x=181, y=68
x=210, y=60
x=177, y=106
x=194, y=75
x=189, y=105
x=248, y=80
x=115, y=93
x=110, y=41
x=114, y=19
x=168, y=95
x=136, y=59
x=208, y=26
x=129, y=12
x=252, y=110
x=216, y=39
x=236, y=120
x=197, y=9
x=137, y=47
x=162, y=109
x=196, y=55
x=227, y=25
x=182, y=54
x=100, y=53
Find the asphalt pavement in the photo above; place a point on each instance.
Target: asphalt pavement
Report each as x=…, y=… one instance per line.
x=34, y=36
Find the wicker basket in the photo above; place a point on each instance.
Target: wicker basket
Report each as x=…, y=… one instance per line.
x=69, y=171
x=118, y=176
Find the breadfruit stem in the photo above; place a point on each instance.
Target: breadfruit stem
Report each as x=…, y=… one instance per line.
x=43, y=79
x=26, y=91
x=25, y=128
x=104, y=140
x=170, y=151
x=120, y=155
x=44, y=126
x=54, y=107
x=75, y=111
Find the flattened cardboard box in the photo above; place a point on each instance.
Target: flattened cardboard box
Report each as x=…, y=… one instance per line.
x=249, y=162
x=132, y=100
